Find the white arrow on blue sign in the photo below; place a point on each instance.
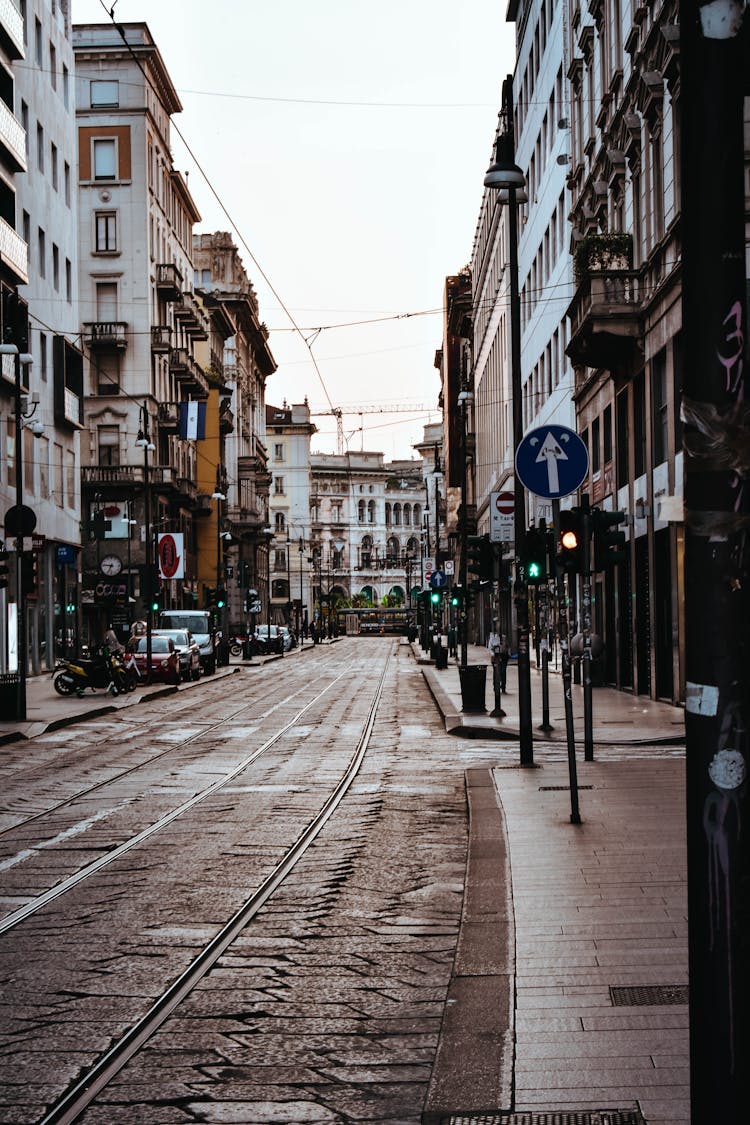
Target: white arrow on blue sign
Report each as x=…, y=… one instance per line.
x=552, y=461
x=437, y=579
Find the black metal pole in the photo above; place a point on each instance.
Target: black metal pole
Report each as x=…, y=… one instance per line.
x=713, y=77
x=562, y=620
x=588, y=716
x=464, y=531
x=152, y=574
x=21, y=610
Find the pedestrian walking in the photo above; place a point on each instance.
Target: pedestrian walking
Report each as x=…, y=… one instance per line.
x=314, y=632
x=452, y=651
x=500, y=654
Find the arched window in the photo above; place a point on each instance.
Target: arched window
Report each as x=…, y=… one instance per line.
x=412, y=547
x=338, y=559
x=416, y=514
x=280, y=521
x=407, y=515
x=361, y=511
x=397, y=515
x=366, y=551
x=279, y=588
x=371, y=512
x=393, y=549
x=387, y=515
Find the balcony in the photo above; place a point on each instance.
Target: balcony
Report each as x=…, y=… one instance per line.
x=106, y=334
x=14, y=253
x=226, y=418
x=168, y=282
x=161, y=338
x=192, y=317
x=606, y=319
x=122, y=476
x=168, y=416
x=11, y=29
x=245, y=519
x=188, y=374
x=12, y=139
x=204, y=504
x=187, y=490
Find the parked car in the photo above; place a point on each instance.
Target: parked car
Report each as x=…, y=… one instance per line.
x=268, y=639
x=165, y=662
x=199, y=623
x=187, y=650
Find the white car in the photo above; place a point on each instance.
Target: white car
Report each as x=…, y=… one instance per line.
x=187, y=650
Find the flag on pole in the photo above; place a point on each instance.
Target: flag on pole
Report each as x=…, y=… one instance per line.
x=193, y=420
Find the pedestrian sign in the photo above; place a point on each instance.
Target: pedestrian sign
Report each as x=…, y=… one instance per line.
x=552, y=461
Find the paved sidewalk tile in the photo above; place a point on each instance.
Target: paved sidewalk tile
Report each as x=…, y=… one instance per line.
x=599, y=905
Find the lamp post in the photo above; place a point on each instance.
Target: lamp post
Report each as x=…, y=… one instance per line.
x=219, y=495
x=20, y=359
x=506, y=177
x=151, y=570
x=301, y=549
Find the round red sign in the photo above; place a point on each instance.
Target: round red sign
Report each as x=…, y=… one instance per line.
x=505, y=503
x=169, y=560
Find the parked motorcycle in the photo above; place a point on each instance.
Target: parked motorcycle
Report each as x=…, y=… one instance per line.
x=104, y=670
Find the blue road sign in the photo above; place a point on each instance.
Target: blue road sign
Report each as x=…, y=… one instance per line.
x=438, y=579
x=552, y=461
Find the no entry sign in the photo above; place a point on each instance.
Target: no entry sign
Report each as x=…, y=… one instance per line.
x=502, y=506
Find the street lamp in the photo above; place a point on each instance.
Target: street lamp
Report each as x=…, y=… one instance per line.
x=20, y=359
x=151, y=570
x=504, y=176
x=301, y=549
x=219, y=495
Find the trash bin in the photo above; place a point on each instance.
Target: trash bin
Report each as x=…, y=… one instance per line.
x=473, y=684
x=441, y=657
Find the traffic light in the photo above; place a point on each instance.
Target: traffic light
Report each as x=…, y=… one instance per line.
x=570, y=541
x=480, y=557
x=221, y=597
x=29, y=574
x=4, y=576
x=436, y=597
x=535, y=556
x=209, y=596
x=155, y=602
x=457, y=597
x=609, y=545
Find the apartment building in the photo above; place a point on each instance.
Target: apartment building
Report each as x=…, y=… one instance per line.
x=39, y=267
x=233, y=540
x=625, y=321
x=289, y=430
x=140, y=320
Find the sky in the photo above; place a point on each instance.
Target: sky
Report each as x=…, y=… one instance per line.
x=344, y=145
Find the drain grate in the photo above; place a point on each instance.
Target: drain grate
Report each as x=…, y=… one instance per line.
x=560, y=788
x=648, y=994
x=560, y=1117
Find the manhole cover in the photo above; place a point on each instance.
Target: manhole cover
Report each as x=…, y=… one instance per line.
x=648, y=994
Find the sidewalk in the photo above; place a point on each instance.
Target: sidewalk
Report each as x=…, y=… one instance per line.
x=569, y=989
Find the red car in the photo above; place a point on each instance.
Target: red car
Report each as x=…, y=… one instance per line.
x=165, y=660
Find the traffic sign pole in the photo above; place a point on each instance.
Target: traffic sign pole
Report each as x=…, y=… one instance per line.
x=562, y=623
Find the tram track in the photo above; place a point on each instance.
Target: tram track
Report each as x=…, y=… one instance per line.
x=40, y=901
x=152, y=723
x=84, y=1091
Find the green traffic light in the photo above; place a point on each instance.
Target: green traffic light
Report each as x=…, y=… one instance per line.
x=435, y=597
x=535, y=570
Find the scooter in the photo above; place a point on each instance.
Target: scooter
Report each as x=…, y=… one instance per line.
x=103, y=670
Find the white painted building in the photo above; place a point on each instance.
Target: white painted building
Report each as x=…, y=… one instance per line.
x=288, y=433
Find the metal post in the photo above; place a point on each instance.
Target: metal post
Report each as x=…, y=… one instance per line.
x=464, y=529
x=543, y=630
x=588, y=718
x=562, y=618
x=152, y=579
x=713, y=76
x=21, y=611
x=520, y=592
x=300, y=639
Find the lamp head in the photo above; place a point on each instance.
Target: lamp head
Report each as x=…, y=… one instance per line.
x=504, y=172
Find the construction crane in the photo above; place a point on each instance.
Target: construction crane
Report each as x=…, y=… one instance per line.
x=360, y=409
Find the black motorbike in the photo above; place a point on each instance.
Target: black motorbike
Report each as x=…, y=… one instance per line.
x=103, y=670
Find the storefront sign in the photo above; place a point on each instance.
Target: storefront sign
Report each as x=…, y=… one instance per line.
x=65, y=555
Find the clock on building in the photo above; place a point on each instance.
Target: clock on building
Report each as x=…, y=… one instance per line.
x=110, y=565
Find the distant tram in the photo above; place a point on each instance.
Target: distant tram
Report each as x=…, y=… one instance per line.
x=373, y=622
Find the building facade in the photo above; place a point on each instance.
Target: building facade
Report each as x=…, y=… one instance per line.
x=140, y=321
x=41, y=149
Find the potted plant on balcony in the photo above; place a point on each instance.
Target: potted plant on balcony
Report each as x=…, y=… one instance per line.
x=608, y=250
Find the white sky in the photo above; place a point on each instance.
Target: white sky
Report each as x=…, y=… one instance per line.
x=352, y=211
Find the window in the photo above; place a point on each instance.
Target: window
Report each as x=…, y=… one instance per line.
x=278, y=451
x=53, y=66
x=278, y=486
x=104, y=162
x=58, y=485
x=43, y=367
x=279, y=559
x=68, y=281
x=66, y=86
x=42, y=244
x=39, y=147
x=280, y=521
x=622, y=439
x=53, y=161
x=105, y=240
x=106, y=301
x=595, y=454
x=659, y=407
x=66, y=181
x=607, y=433
x=361, y=511
x=43, y=455
x=38, y=43
x=26, y=227
x=108, y=438
x=104, y=94
x=106, y=373
x=25, y=124
x=371, y=512
x=56, y=266
x=70, y=478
